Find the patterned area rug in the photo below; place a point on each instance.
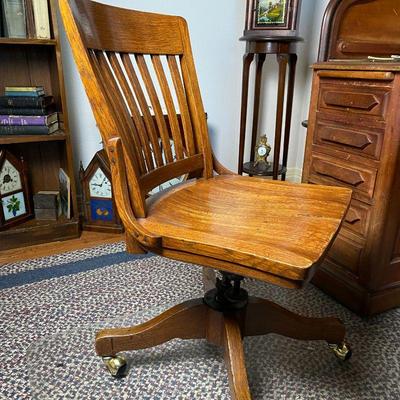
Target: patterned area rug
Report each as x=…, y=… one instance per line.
x=50, y=309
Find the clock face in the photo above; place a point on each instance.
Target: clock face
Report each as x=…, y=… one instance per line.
x=10, y=179
x=262, y=151
x=100, y=185
x=13, y=206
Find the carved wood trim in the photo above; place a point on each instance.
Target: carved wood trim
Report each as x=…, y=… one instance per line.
x=361, y=101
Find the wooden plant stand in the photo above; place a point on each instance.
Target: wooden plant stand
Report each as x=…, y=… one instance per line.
x=284, y=49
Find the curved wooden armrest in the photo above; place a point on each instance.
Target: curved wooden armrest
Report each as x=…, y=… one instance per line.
x=122, y=198
x=219, y=168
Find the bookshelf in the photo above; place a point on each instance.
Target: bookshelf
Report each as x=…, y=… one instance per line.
x=37, y=62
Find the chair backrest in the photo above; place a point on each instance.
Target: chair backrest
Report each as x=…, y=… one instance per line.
x=139, y=74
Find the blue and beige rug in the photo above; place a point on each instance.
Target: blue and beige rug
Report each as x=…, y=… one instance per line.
x=50, y=309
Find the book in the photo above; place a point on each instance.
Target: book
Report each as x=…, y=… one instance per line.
x=32, y=120
x=14, y=18
x=28, y=130
x=42, y=19
x=24, y=88
x=26, y=101
x=1, y=19
x=47, y=204
x=65, y=193
x=30, y=19
x=27, y=111
x=24, y=94
x=27, y=91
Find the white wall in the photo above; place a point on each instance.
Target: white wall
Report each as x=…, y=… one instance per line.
x=215, y=28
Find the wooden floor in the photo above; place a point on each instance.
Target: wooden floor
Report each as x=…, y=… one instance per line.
x=87, y=239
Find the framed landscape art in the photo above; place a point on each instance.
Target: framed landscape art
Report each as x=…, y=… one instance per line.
x=271, y=18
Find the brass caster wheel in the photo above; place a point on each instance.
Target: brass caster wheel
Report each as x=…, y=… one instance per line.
x=341, y=351
x=116, y=365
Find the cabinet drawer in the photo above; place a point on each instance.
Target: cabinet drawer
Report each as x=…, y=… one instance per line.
x=329, y=171
x=352, y=140
x=353, y=97
x=357, y=218
x=346, y=253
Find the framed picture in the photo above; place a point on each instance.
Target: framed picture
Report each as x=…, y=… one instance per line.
x=272, y=17
x=271, y=13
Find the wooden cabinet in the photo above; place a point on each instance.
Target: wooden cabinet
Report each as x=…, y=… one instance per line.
x=37, y=62
x=353, y=140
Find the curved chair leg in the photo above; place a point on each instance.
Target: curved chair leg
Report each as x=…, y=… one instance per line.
x=284, y=322
x=184, y=321
x=132, y=245
x=234, y=359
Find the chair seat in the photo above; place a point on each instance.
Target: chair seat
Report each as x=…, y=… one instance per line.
x=274, y=227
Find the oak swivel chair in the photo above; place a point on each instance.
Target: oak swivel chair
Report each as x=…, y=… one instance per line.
x=139, y=75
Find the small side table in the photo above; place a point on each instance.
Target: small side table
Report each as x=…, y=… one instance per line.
x=284, y=48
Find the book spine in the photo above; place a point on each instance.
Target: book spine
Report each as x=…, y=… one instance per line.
x=25, y=130
x=24, y=101
x=17, y=120
x=24, y=94
x=14, y=18
x=42, y=19
x=30, y=19
x=24, y=88
x=23, y=111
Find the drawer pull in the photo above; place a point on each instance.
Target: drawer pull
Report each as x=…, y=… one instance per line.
x=346, y=175
x=359, y=101
x=355, y=139
x=352, y=216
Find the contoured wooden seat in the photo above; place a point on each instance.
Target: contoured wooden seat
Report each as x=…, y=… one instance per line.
x=139, y=75
x=273, y=231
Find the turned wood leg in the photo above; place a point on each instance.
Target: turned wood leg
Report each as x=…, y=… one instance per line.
x=263, y=317
x=234, y=359
x=185, y=321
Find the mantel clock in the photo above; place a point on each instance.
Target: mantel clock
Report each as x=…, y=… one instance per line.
x=100, y=212
x=15, y=202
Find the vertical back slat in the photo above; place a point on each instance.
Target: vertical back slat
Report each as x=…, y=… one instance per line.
x=145, y=143
x=183, y=105
x=136, y=116
x=151, y=131
x=100, y=61
x=169, y=103
x=162, y=126
x=196, y=105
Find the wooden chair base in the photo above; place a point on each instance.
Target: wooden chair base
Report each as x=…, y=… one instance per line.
x=195, y=320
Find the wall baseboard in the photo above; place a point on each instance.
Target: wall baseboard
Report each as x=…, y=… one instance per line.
x=294, y=175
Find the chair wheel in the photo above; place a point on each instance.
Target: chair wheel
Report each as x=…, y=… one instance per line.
x=116, y=365
x=341, y=351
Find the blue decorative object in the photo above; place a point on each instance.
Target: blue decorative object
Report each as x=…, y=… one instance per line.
x=101, y=210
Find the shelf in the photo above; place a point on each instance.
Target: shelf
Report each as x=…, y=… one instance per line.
x=14, y=139
x=29, y=42
x=34, y=232
x=262, y=169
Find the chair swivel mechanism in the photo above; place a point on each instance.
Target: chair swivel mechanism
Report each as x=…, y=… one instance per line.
x=140, y=78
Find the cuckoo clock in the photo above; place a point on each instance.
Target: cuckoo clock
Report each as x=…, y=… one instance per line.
x=15, y=202
x=100, y=212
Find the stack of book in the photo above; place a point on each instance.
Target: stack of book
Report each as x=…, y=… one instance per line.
x=27, y=111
